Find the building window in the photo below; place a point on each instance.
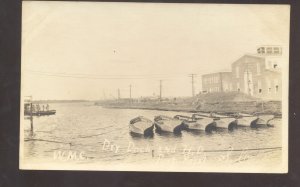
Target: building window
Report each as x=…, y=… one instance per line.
x=277, y=88
x=269, y=85
x=259, y=86
x=270, y=64
x=258, y=68
x=237, y=71
x=269, y=50
x=217, y=79
x=276, y=50
x=261, y=50
x=274, y=66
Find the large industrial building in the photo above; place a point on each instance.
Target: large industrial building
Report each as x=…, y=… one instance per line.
x=258, y=75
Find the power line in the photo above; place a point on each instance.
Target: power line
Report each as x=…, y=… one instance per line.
x=95, y=76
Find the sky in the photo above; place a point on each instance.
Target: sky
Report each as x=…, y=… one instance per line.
x=89, y=50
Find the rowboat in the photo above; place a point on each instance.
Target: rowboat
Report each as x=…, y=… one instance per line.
x=264, y=120
x=222, y=122
x=141, y=125
x=226, y=123
x=197, y=124
x=246, y=120
x=168, y=124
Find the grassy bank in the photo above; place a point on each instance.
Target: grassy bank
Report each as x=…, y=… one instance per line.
x=216, y=102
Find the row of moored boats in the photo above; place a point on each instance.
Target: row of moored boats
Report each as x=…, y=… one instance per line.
x=198, y=122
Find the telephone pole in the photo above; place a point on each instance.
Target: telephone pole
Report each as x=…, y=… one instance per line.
x=160, y=89
x=193, y=88
x=119, y=95
x=104, y=95
x=130, y=91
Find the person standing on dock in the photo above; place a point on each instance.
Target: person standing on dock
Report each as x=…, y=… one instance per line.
x=38, y=107
x=47, y=107
x=43, y=107
x=33, y=108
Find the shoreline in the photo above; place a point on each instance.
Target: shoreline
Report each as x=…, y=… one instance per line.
x=250, y=107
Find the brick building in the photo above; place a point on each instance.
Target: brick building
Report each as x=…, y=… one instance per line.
x=216, y=82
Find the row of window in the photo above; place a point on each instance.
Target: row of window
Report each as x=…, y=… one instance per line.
x=211, y=80
x=259, y=90
x=269, y=50
x=215, y=79
x=214, y=89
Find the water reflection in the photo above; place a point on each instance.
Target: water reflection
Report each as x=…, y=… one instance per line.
x=139, y=136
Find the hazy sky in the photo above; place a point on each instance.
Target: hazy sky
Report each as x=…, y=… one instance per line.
x=87, y=50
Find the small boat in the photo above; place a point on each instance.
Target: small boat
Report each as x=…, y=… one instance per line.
x=168, y=124
x=141, y=125
x=246, y=120
x=264, y=119
x=29, y=109
x=222, y=121
x=226, y=123
x=40, y=113
x=197, y=124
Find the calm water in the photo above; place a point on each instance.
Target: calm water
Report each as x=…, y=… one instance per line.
x=101, y=136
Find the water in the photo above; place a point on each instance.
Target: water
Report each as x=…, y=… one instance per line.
x=99, y=138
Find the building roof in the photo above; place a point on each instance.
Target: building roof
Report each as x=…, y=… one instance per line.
x=216, y=73
x=249, y=55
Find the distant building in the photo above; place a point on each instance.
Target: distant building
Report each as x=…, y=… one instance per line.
x=258, y=75
x=252, y=75
x=216, y=82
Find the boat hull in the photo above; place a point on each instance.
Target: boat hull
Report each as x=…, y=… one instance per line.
x=205, y=124
x=226, y=123
x=247, y=121
x=264, y=120
x=41, y=113
x=141, y=126
x=143, y=131
x=169, y=125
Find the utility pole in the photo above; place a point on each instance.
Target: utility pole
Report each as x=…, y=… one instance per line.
x=248, y=80
x=119, y=95
x=160, y=89
x=193, y=88
x=104, y=95
x=130, y=91
x=221, y=82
